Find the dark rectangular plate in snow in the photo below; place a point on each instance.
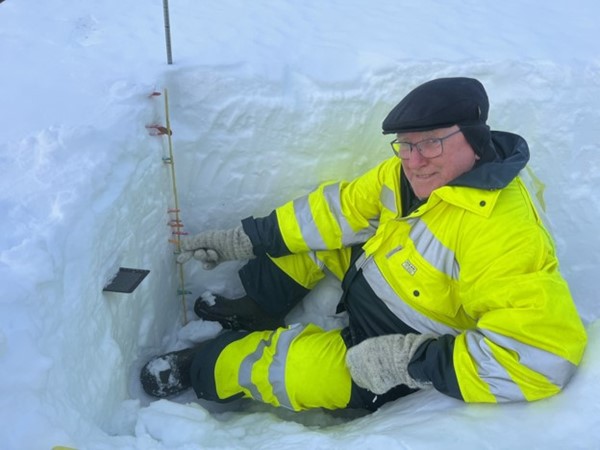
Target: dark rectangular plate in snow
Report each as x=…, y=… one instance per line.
x=126, y=280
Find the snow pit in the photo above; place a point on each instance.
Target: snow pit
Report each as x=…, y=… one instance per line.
x=266, y=102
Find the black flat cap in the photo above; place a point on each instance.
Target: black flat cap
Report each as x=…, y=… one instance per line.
x=439, y=103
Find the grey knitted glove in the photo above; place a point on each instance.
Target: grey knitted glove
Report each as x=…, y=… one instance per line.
x=214, y=247
x=381, y=363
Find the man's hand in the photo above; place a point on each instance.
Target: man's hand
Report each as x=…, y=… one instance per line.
x=214, y=247
x=381, y=363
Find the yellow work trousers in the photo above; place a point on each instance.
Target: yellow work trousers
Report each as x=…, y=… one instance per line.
x=298, y=367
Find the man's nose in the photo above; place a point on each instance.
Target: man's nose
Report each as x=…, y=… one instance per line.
x=416, y=159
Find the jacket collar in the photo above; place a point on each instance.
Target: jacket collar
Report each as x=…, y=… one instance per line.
x=512, y=156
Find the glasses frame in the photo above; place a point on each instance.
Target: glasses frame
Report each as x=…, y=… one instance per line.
x=418, y=146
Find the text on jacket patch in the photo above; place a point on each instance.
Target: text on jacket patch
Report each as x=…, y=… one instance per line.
x=409, y=267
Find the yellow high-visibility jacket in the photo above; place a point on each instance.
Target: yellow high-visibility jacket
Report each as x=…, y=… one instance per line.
x=473, y=264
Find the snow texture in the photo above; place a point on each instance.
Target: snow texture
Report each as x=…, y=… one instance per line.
x=267, y=99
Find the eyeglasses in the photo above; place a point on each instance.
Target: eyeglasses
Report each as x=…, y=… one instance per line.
x=428, y=148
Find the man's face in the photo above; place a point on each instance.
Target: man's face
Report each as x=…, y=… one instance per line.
x=425, y=175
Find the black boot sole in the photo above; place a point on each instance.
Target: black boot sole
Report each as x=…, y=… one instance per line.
x=168, y=374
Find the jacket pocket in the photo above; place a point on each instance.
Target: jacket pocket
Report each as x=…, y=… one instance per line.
x=422, y=284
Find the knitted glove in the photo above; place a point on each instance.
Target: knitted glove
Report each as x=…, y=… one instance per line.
x=381, y=363
x=214, y=247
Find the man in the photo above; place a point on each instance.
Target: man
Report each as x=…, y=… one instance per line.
x=449, y=278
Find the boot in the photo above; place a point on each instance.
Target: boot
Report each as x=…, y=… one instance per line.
x=238, y=314
x=168, y=374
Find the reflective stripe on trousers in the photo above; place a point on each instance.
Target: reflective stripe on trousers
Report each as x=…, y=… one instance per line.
x=298, y=367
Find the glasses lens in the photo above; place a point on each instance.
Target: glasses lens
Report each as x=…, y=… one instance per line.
x=402, y=149
x=430, y=148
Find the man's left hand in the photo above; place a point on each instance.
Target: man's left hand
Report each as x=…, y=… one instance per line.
x=381, y=363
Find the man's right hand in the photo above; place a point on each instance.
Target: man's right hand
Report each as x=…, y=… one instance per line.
x=213, y=247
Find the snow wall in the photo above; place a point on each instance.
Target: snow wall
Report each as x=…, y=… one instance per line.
x=244, y=142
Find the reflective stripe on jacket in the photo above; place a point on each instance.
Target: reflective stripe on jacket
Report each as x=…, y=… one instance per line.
x=473, y=264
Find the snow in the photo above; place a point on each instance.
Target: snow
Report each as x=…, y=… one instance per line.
x=266, y=99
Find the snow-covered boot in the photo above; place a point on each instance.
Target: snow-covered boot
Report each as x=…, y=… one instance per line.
x=168, y=374
x=237, y=314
